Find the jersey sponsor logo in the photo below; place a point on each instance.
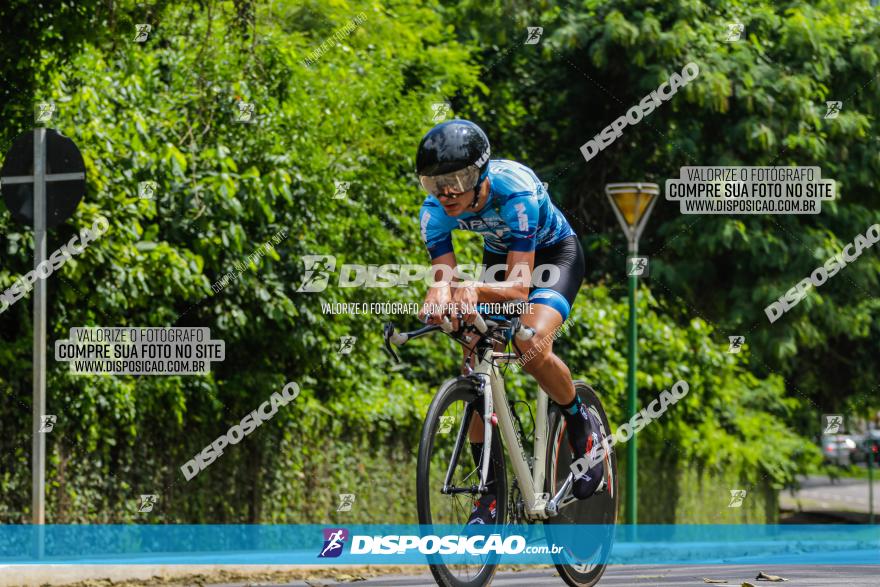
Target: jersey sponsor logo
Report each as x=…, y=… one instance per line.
x=521, y=216
x=473, y=224
x=483, y=224
x=426, y=218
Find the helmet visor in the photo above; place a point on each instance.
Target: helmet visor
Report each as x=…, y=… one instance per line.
x=453, y=183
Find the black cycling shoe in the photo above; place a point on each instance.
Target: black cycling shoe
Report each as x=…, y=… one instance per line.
x=584, y=440
x=484, y=511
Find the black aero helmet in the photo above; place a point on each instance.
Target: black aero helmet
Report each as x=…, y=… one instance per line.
x=454, y=155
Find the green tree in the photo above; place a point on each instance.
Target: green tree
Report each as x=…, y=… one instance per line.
x=340, y=93
x=757, y=101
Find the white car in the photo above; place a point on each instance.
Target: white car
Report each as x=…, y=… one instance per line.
x=838, y=448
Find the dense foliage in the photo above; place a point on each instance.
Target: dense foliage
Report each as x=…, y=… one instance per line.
x=757, y=101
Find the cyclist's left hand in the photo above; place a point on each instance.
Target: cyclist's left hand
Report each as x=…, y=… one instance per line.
x=464, y=297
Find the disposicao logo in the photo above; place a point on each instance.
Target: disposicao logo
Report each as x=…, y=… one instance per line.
x=334, y=541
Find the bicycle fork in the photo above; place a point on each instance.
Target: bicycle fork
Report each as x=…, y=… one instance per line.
x=463, y=429
x=448, y=489
x=531, y=481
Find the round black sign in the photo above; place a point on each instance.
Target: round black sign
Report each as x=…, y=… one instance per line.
x=62, y=195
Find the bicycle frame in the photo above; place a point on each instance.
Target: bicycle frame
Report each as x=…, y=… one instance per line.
x=495, y=402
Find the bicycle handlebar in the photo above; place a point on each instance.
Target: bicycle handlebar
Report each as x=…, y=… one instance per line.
x=479, y=324
x=392, y=337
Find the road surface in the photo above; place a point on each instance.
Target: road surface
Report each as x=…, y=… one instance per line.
x=818, y=494
x=646, y=576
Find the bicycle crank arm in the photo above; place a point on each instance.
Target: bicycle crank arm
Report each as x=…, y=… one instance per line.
x=552, y=507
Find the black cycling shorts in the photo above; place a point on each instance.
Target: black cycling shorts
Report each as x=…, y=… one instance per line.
x=556, y=289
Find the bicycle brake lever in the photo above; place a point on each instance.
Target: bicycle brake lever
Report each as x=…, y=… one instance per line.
x=389, y=334
x=480, y=324
x=446, y=326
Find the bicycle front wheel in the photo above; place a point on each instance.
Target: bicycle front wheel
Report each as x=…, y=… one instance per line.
x=581, y=563
x=444, y=451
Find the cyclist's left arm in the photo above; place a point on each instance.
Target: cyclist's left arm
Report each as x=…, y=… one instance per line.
x=517, y=281
x=520, y=213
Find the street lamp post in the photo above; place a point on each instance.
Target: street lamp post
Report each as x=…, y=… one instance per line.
x=632, y=204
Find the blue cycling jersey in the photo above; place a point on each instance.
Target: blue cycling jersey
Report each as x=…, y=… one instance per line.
x=518, y=215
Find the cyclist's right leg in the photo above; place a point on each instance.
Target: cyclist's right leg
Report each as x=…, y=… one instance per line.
x=484, y=511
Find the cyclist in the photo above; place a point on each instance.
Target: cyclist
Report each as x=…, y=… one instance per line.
x=506, y=203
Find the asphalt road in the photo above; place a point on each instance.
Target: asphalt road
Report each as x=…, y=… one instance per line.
x=819, y=494
x=648, y=575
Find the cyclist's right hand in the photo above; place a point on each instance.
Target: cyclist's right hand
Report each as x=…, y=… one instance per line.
x=439, y=296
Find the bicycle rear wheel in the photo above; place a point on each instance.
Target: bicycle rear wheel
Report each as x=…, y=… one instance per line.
x=581, y=563
x=449, y=415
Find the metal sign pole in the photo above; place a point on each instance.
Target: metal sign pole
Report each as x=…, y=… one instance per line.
x=24, y=179
x=872, y=444
x=39, y=446
x=632, y=478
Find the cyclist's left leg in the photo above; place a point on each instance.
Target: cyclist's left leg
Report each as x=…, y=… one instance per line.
x=537, y=357
x=550, y=306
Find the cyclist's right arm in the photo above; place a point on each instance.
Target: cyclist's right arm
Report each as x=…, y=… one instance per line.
x=436, y=230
